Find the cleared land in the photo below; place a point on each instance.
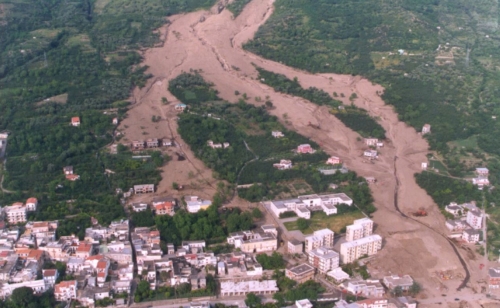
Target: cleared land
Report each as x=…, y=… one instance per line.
x=214, y=47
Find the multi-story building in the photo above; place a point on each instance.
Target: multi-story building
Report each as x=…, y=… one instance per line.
x=319, y=238
x=38, y=287
x=253, y=241
x=351, y=251
x=324, y=259
x=302, y=204
x=231, y=288
x=475, y=219
x=494, y=278
x=16, y=213
x=360, y=228
x=31, y=204
x=165, y=208
x=50, y=276
x=471, y=235
x=295, y=246
x=300, y=273
x=394, y=281
x=65, y=290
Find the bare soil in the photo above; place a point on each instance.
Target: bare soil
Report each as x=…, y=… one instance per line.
x=214, y=48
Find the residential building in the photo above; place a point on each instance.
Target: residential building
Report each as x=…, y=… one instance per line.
x=366, y=288
x=194, y=204
x=394, y=281
x=371, y=141
x=482, y=171
x=38, y=287
x=300, y=273
x=334, y=160
x=454, y=209
x=325, y=202
x=324, y=259
x=277, y=134
x=283, y=164
x=8, y=262
x=31, y=204
x=144, y=188
x=402, y=302
x=372, y=154
x=65, y=290
x=426, y=129
x=338, y=275
x=180, y=107
x=68, y=170
x=471, y=235
x=303, y=303
x=475, y=219
x=253, y=241
x=319, y=238
x=75, y=121
x=139, y=207
x=305, y=149
x=351, y=251
x=166, y=208
x=360, y=228
x=494, y=278
x=115, y=121
x=152, y=143
x=242, y=288
x=83, y=250
x=456, y=225
x=295, y=246
x=481, y=182
x=138, y=144
x=72, y=177
x=50, y=276
x=15, y=213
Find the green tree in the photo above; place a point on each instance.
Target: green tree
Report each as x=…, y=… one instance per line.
x=415, y=288
x=252, y=300
x=397, y=291
x=257, y=214
x=302, y=224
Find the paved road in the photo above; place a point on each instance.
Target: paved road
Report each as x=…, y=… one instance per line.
x=473, y=298
x=238, y=301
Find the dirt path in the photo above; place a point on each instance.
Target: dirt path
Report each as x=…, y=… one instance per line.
x=214, y=48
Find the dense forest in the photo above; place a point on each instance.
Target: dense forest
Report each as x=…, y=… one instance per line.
x=253, y=150
x=61, y=59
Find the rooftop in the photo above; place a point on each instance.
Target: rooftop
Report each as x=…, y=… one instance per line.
x=362, y=241
x=301, y=269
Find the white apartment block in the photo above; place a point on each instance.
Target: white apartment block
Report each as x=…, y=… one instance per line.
x=324, y=259
x=65, y=290
x=320, y=238
x=360, y=228
x=351, y=251
x=302, y=205
x=15, y=213
x=251, y=242
x=38, y=287
x=475, y=219
x=230, y=288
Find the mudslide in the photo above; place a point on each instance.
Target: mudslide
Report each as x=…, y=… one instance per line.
x=214, y=48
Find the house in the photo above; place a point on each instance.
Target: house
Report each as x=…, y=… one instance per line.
x=242, y=288
x=475, y=219
x=166, y=142
x=324, y=259
x=426, y=129
x=370, y=179
x=371, y=141
x=138, y=144
x=253, y=241
x=394, y=281
x=75, y=121
x=213, y=145
x=456, y=225
x=16, y=213
x=366, y=288
x=454, y=209
x=65, y=290
x=471, y=235
x=424, y=166
x=139, y=207
x=303, y=303
x=305, y=149
x=380, y=144
x=225, y=145
x=68, y=170
x=144, y=188
x=338, y=275
x=277, y=134
x=372, y=154
x=283, y=164
x=152, y=143
x=334, y=160
x=481, y=181
x=166, y=208
x=50, y=276
x=180, y=107
x=115, y=121
x=194, y=204
x=300, y=273
x=494, y=278
x=482, y=171
x=31, y=204
x=84, y=250
x=295, y=246
x=72, y=177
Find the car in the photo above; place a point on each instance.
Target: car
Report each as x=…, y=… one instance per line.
x=457, y=299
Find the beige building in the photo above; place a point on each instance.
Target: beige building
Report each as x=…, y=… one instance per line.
x=15, y=213
x=351, y=251
x=360, y=228
x=255, y=241
x=320, y=238
x=324, y=259
x=300, y=273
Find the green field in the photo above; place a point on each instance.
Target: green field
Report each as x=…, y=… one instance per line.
x=439, y=166
x=319, y=220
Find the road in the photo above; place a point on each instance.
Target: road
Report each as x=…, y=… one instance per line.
x=473, y=298
x=238, y=301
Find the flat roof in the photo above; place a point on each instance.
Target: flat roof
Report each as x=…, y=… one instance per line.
x=361, y=241
x=301, y=269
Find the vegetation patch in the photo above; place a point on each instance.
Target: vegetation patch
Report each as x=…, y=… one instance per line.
x=319, y=220
x=237, y=6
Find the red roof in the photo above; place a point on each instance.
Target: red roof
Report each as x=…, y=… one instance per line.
x=102, y=264
x=32, y=200
x=49, y=272
x=75, y=119
x=35, y=254
x=84, y=247
x=96, y=257
x=164, y=206
x=101, y=274
x=64, y=284
x=72, y=177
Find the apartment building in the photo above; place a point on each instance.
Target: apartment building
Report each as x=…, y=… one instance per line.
x=475, y=219
x=324, y=259
x=65, y=290
x=351, y=251
x=320, y=238
x=295, y=246
x=16, y=213
x=300, y=273
x=253, y=241
x=360, y=228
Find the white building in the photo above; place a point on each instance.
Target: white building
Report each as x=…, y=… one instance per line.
x=393, y=281
x=31, y=204
x=338, y=274
x=231, y=288
x=252, y=242
x=324, y=259
x=50, y=276
x=371, y=141
x=277, y=134
x=303, y=303
x=319, y=238
x=370, y=154
x=351, y=251
x=15, y=213
x=325, y=202
x=426, y=129
x=194, y=204
x=360, y=228
x=139, y=207
x=284, y=164
x=65, y=290
x=471, y=235
x=366, y=288
x=38, y=287
x=475, y=219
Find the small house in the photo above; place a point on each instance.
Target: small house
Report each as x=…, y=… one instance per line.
x=225, y=145
x=372, y=154
x=283, y=164
x=72, y=177
x=424, y=166
x=482, y=171
x=138, y=144
x=115, y=121
x=371, y=141
x=370, y=179
x=31, y=204
x=426, y=129
x=75, y=121
x=152, y=143
x=305, y=149
x=68, y=170
x=334, y=160
x=180, y=107
x=166, y=142
x=277, y=134
x=144, y=188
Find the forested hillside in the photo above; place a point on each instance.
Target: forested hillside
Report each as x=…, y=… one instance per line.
x=61, y=59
